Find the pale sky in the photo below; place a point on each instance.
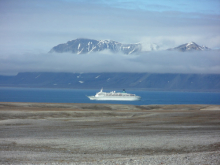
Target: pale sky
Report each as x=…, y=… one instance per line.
x=32, y=27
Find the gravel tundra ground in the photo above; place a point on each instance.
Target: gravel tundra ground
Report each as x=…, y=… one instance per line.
x=54, y=133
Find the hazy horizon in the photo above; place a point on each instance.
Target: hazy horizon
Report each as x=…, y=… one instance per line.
x=29, y=29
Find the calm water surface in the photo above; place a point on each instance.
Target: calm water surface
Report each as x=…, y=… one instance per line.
x=79, y=96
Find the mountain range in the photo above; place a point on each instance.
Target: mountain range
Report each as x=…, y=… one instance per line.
x=83, y=46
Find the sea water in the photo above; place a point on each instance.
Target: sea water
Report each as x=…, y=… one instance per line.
x=80, y=96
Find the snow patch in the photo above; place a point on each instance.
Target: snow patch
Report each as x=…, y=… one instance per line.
x=190, y=43
x=80, y=51
x=131, y=51
x=38, y=76
x=128, y=47
x=92, y=49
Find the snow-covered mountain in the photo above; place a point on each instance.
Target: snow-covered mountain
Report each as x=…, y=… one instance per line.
x=191, y=46
x=82, y=46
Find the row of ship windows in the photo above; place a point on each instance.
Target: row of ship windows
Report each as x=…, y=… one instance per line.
x=118, y=95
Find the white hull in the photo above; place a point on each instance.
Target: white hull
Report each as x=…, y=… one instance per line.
x=115, y=98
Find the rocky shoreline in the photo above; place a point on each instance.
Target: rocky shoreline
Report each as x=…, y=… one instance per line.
x=59, y=133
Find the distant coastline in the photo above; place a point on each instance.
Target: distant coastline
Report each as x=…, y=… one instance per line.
x=117, y=81
x=116, y=89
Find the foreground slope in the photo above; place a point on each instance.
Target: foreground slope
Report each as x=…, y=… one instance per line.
x=109, y=134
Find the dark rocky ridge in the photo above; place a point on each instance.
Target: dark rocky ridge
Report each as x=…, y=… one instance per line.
x=148, y=81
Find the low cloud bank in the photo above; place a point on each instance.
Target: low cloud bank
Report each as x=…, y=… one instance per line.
x=154, y=62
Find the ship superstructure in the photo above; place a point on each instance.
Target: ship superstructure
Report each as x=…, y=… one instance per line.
x=120, y=96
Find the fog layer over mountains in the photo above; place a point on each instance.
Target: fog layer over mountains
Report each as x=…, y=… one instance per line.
x=29, y=29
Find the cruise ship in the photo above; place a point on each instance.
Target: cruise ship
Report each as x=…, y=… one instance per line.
x=120, y=96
